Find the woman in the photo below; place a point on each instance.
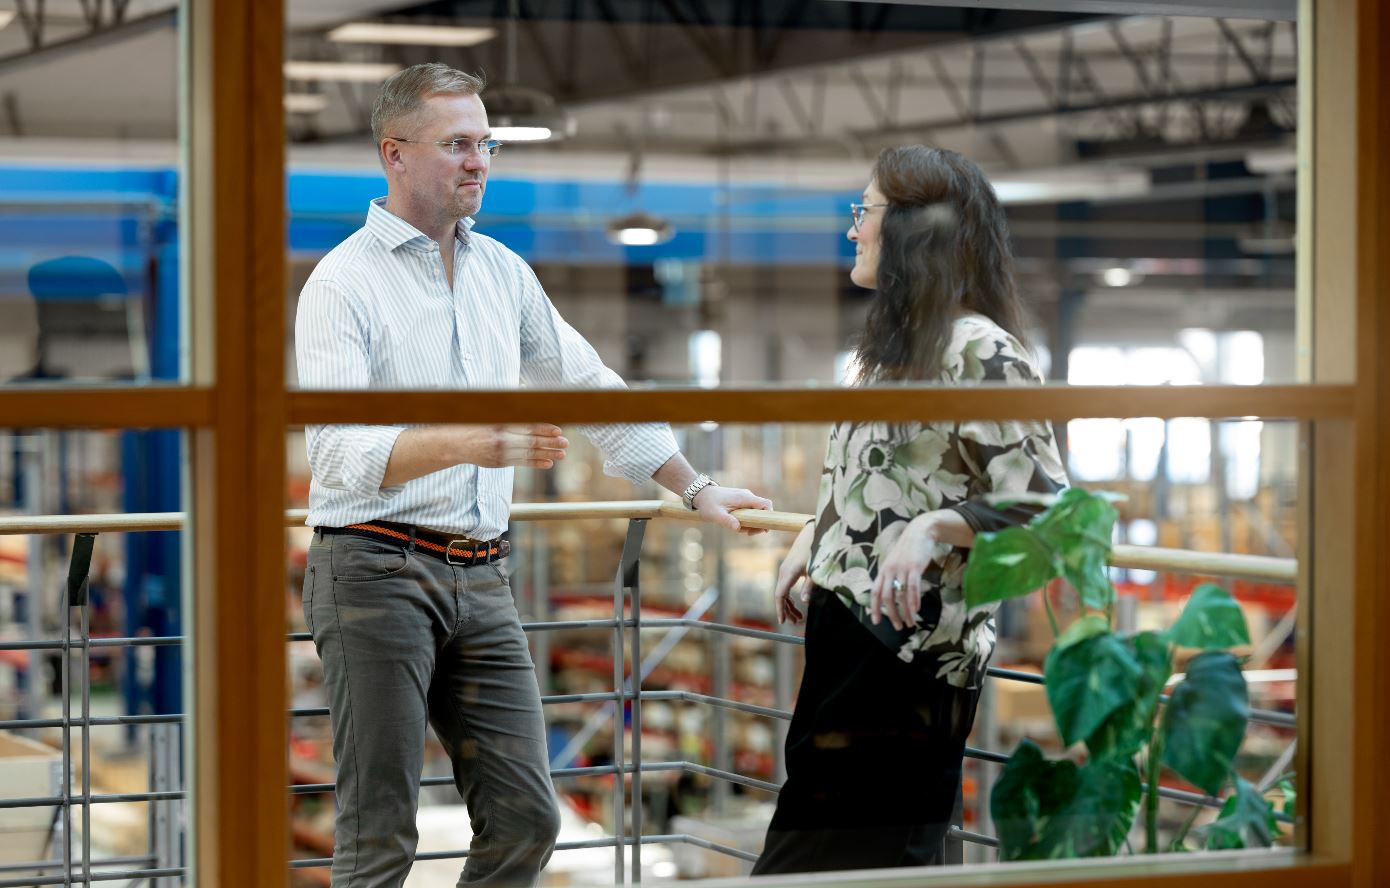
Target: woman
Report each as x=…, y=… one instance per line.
x=894, y=659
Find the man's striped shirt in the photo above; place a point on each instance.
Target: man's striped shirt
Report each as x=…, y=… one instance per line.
x=377, y=312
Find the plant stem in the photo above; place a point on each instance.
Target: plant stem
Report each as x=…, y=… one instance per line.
x=1182, y=833
x=1051, y=617
x=1151, y=796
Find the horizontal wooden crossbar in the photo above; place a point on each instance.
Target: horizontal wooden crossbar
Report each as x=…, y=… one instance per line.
x=777, y=405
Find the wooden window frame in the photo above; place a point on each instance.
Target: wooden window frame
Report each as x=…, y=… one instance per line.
x=236, y=279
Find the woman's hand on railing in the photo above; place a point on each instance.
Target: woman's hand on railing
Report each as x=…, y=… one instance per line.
x=717, y=504
x=791, y=575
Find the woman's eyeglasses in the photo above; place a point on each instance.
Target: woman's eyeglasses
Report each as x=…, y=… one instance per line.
x=857, y=211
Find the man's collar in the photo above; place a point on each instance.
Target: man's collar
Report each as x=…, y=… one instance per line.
x=393, y=231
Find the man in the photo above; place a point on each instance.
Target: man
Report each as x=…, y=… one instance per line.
x=404, y=590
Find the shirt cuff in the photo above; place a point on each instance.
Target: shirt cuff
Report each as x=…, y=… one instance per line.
x=365, y=467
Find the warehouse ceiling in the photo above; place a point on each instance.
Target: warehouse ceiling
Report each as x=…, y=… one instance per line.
x=791, y=78
x=1110, y=134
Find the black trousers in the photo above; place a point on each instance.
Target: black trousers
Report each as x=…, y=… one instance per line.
x=873, y=755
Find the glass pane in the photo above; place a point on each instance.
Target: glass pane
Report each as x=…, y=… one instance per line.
x=689, y=213
x=713, y=771
x=107, y=655
x=90, y=194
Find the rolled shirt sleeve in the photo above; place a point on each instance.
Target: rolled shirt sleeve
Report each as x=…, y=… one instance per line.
x=555, y=355
x=333, y=351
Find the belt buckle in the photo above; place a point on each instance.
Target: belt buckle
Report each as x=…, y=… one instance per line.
x=471, y=549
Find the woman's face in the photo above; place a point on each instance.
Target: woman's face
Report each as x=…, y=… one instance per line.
x=865, y=238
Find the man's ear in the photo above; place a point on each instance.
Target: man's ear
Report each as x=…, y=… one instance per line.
x=390, y=154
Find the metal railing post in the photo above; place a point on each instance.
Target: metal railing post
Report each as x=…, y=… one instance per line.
x=987, y=732
x=719, y=722
x=619, y=757
x=164, y=815
x=628, y=577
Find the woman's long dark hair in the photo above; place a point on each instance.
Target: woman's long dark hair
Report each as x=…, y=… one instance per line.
x=943, y=249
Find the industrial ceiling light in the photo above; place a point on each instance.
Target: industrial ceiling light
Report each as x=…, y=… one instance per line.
x=640, y=230
x=1120, y=276
x=518, y=113
x=352, y=72
x=305, y=103
x=414, y=35
x=521, y=114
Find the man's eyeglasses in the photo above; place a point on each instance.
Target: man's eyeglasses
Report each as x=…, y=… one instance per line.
x=489, y=147
x=857, y=211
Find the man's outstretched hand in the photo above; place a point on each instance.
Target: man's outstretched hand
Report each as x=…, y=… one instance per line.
x=717, y=504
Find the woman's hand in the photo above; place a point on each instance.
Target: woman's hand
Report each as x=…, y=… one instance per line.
x=792, y=574
x=897, y=590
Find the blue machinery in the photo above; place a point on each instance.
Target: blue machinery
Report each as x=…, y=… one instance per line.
x=84, y=234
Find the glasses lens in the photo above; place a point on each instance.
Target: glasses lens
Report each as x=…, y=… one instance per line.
x=490, y=147
x=856, y=214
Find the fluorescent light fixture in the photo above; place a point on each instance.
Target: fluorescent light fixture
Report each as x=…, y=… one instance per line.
x=1270, y=161
x=521, y=133
x=305, y=103
x=640, y=230
x=637, y=237
x=353, y=72
x=6, y=16
x=1071, y=183
x=1117, y=277
x=416, y=35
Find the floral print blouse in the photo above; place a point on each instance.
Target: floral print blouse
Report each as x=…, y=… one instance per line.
x=878, y=476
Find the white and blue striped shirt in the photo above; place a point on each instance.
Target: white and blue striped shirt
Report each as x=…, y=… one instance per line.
x=377, y=312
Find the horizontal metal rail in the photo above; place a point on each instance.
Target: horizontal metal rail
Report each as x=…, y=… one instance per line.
x=107, y=876
x=611, y=842
x=58, y=864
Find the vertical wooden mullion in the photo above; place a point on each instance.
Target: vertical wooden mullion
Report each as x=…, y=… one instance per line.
x=237, y=250
x=1371, y=627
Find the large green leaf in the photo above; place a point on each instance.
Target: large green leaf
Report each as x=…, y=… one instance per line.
x=1097, y=818
x=1079, y=527
x=1084, y=627
x=1205, y=720
x=1246, y=821
x=1007, y=564
x=1125, y=731
x=1029, y=791
x=1088, y=681
x=1049, y=809
x=1211, y=620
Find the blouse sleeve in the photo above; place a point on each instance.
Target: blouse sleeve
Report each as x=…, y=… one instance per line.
x=1012, y=456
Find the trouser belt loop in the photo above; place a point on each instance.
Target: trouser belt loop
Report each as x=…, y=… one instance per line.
x=411, y=545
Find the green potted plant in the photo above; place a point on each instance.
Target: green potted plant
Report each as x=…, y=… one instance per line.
x=1106, y=691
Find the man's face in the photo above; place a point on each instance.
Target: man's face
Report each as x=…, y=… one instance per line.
x=450, y=184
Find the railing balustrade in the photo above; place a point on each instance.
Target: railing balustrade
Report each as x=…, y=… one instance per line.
x=166, y=860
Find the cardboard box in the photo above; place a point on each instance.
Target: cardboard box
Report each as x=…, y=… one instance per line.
x=28, y=769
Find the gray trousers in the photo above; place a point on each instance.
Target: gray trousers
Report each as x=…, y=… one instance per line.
x=408, y=641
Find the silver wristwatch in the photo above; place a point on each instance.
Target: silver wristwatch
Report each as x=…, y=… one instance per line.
x=699, y=484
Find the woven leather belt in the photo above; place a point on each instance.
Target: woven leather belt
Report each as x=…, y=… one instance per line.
x=450, y=549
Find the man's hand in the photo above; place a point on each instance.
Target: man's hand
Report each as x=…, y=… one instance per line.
x=715, y=505
x=426, y=449
x=534, y=446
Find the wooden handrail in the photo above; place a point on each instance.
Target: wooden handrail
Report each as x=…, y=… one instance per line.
x=1252, y=567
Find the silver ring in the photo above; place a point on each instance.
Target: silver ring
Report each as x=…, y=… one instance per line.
x=897, y=585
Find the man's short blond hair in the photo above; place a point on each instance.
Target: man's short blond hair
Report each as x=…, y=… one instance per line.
x=404, y=94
